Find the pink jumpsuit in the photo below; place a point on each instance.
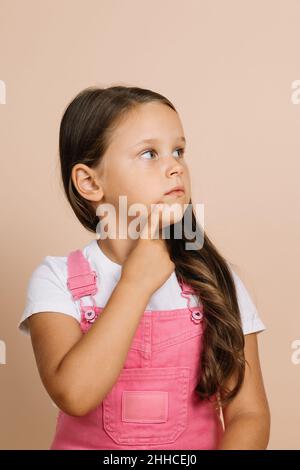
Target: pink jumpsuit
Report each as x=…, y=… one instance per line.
x=153, y=404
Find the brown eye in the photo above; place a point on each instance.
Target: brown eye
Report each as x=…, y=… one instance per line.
x=148, y=151
x=182, y=150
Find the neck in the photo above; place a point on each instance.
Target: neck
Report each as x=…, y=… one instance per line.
x=117, y=250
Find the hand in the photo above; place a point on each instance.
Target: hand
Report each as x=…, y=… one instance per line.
x=149, y=264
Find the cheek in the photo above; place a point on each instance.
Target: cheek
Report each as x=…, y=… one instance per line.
x=119, y=183
x=143, y=192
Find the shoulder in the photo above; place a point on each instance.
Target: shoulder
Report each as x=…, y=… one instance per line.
x=250, y=317
x=49, y=274
x=50, y=267
x=53, y=270
x=47, y=291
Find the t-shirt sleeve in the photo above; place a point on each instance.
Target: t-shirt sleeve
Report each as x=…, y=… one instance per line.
x=251, y=321
x=47, y=291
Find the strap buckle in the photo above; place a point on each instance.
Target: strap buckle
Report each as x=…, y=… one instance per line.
x=82, y=280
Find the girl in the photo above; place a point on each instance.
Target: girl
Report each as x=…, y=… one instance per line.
x=157, y=347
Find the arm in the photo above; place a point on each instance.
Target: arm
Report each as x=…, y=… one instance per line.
x=78, y=370
x=247, y=416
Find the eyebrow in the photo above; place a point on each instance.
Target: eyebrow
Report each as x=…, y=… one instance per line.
x=150, y=141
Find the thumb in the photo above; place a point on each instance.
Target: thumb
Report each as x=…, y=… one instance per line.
x=151, y=226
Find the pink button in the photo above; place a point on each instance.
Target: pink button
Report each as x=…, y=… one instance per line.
x=196, y=316
x=90, y=316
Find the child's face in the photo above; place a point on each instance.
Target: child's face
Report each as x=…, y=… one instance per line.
x=144, y=172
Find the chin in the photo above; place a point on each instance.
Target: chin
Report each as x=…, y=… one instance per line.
x=174, y=215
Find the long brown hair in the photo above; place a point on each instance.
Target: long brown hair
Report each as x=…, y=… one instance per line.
x=86, y=131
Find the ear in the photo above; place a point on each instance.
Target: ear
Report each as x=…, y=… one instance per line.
x=87, y=182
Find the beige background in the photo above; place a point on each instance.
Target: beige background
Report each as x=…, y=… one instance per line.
x=228, y=66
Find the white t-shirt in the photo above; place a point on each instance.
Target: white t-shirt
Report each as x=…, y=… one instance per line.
x=48, y=292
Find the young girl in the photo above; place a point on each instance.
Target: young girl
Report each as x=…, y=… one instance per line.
x=141, y=342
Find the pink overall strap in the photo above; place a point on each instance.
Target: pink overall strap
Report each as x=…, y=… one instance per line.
x=186, y=288
x=81, y=279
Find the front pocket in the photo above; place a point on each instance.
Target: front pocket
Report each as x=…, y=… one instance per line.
x=170, y=331
x=147, y=406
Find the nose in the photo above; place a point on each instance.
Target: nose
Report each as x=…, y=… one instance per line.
x=174, y=167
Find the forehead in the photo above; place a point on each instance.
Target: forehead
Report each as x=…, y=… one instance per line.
x=152, y=122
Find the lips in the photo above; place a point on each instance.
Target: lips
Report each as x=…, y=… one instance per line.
x=176, y=191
